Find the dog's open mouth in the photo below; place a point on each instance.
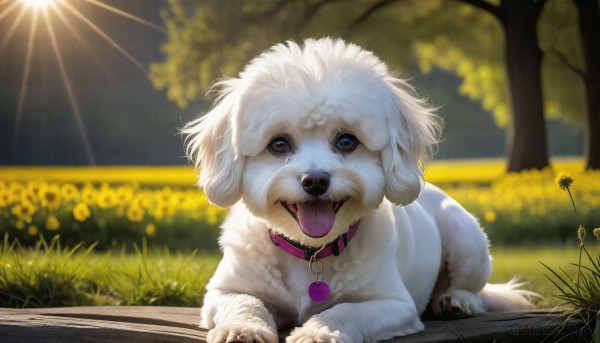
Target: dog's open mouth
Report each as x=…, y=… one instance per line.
x=316, y=217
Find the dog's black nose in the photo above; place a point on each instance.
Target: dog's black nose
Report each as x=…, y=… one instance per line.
x=315, y=182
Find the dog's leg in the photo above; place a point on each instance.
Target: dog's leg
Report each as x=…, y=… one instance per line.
x=369, y=321
x=237, y=318
x=466, y=259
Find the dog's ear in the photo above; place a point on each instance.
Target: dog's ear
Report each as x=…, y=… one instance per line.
x=414, y=130
x=210, y=146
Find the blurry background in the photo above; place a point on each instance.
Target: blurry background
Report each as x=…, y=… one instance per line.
x=139, y=69
x=124, y=118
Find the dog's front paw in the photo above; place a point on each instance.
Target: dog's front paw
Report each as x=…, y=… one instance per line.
x=320, y=335
x=243, y=332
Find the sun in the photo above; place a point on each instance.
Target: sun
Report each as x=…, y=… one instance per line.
x=37, y=3
x=42, y=17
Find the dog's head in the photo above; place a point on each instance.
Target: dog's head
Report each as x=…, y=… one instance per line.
x=310, y=138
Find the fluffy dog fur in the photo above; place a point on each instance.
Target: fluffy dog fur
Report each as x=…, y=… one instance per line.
x=333, y=109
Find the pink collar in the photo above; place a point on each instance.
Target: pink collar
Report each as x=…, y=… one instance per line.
x=305, y=253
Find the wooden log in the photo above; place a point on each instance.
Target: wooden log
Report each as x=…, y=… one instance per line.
x=102, y=324
x=180, y=324
x=519, y=326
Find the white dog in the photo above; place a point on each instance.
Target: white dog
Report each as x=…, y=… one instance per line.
x=319, y=151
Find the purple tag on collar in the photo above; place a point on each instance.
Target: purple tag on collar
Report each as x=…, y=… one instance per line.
x=318, y=292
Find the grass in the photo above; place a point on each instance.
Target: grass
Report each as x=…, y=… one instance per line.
x=51, y=275
x=526, y=264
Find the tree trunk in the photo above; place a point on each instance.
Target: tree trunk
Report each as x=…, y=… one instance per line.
x=526, y=144
x=589, y=27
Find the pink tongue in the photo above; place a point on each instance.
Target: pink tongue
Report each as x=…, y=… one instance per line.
x=316, y=217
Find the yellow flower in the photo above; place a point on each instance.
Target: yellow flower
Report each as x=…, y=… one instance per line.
x=50, y=196
x=34, y=188
x=4, y=198
x=150, y=229
x=107, y=199
x=15, y=191
x=597, y=233
x=52, y=223
x=124, y=195
x=33, y=230
x=24, y=211
x=166, y=192
x=164, y=209
x=81, y=212
x=490, y=216
x=135, y=213
x=89, y=195
x=69, y=191
x=178, y=199
x=142, y=200
x=563, y=181
x=29, y=197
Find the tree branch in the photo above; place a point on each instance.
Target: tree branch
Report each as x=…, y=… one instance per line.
x=486, y=6
x=565, y=61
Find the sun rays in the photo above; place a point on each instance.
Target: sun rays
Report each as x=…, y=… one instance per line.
x=70, y=93
x=25, y=78
x=43, y=15
x=37, y=3
x=102, y=34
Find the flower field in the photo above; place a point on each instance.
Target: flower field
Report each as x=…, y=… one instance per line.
x=121, y=205
x=529, y=208
x=111, y=214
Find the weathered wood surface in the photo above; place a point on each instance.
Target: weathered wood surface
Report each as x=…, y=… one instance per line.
x=177, y=324
x=101, y=324
x=520, y=326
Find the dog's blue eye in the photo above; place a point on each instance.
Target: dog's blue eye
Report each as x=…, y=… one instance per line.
x=346, y=142
x=279, y=146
